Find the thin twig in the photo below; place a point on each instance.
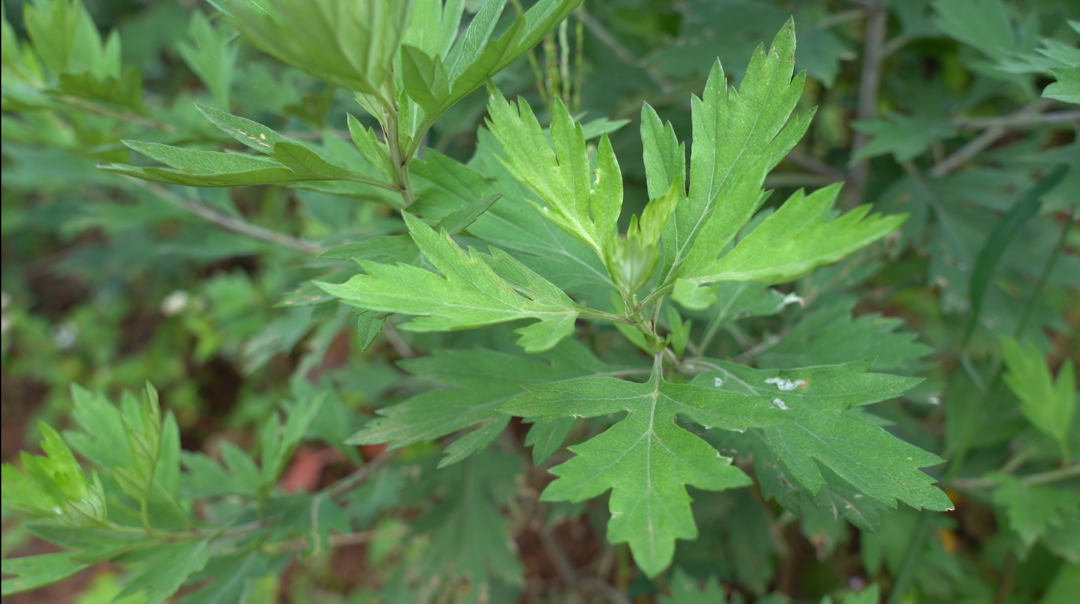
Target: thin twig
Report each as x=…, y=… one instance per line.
x=229, y=223
x=984, y=140
x=1071, y=471
x=394, y=339
x=353, y=480
x=1020, y=119
x=869, y=87
x=816, y=165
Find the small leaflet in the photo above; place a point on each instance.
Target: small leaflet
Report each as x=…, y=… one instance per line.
x=786, y=385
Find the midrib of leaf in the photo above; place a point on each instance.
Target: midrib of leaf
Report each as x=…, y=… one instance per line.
x=714, y=191
x=435, y=422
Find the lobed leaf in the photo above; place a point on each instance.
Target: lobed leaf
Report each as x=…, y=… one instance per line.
x=823, y=430
x=474, y=290
x=646, y=458
x=790, y=243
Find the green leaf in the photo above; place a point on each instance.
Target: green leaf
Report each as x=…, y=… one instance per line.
x=983, y=24
x=584, y=203
x=444, y=186
x=474, y=290
x=823, y=430
x=278, y=445
x=685, y=589
x=425, y=78
x=292, y=162
x=646, y=459
x=1049, y=406
x=1034, y=511
x=999, y=239
x=211, y=57
x=904, y=137
x=1067, y=87
x=160, y=571
x=373, y=150
x=738, y=138
x=632, y=261
x=348, y=44
x=54, y=486
x=468, y=542
x=830, y=334
x=32, y=572
x=664, y=155
x=470, y=63
x=461, y=219
x=790, y=243
x=546, y=438
x=474, y=384
x=230, y=578
x=144, y=433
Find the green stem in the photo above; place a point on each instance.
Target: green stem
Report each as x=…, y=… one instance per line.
x=1070, y=471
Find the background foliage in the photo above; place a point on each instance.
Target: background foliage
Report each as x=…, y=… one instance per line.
x=238, y=485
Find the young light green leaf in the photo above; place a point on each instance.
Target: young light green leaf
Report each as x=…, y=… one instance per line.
x=738, y=138
x=632, y=261
x=646, y=459
x=373, y=150
x=425, y=78
x=664, y=155
x=474, y=290
x=791, y=242
x=1048, y=406
x=348, y=44
x=475, y=383
x=585, y=205
x=54, y=486
x=144, y=433
x=816, y=398
x=444, y=186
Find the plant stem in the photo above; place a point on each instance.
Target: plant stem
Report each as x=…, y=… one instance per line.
x=228, y=223
x=987, y=138
x=392, y=134
x=353, y=480
x=1070, y=471
x=869, y=86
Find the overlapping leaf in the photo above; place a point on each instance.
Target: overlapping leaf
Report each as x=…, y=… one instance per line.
x=477, y=382
x=646, y=459
x=475, y=289
x=738, y=137
x=444, y=185
x=824, y=430
x=790, y=243
x=348, y=44
x=286, y=161
x=582, y=202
